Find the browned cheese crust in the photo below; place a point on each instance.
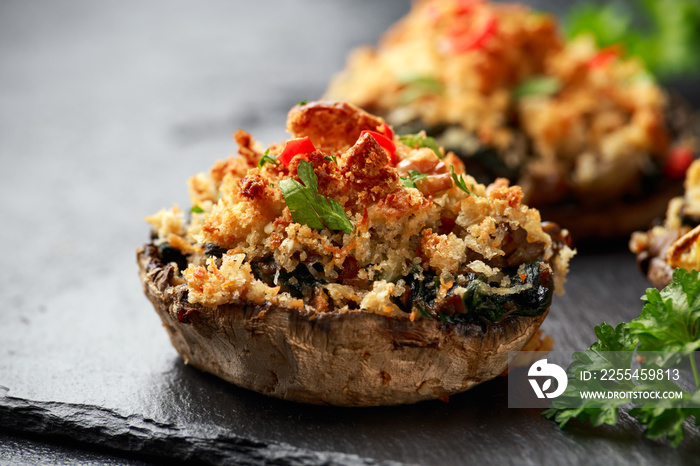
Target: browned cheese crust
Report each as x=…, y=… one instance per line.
x=343, y=359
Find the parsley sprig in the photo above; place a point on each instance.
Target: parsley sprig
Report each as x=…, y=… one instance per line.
x=669, y=322
x=461, y=184
x=413, y=176
x=420, y=140
x=310, y=208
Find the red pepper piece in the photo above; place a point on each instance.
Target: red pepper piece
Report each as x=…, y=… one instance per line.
x=386, y=131
x=678, y=162
x=295, y=147
x=462, y=39
x=385, y=142
x=604, y=57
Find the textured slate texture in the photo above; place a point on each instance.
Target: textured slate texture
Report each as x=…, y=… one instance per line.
x=107, y=108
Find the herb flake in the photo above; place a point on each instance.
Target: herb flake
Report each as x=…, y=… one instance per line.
x=539, y=85
x=417, y=86
x=413, y=176
x=267, y=158
x=460, y=183
x=420, y=140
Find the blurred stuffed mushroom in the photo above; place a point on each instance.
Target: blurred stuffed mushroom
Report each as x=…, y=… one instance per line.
x=594, y=142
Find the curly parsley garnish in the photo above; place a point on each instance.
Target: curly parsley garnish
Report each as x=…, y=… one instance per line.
x=308, y=207
x=267, y=158
x=413, y=176
x=303, y=102
x=420, y=140
x=459, y=181
x=669, y=322
x=197, y=210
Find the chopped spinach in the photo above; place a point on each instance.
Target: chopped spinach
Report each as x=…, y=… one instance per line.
x=479, y=302
x=213, y=249
x=169, y=254
x=299, y=283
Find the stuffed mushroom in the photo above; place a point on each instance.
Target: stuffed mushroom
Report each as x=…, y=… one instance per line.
x=594, y=142
x=349, y=268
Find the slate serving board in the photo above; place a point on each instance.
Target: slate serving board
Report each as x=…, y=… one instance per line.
x=107, y=108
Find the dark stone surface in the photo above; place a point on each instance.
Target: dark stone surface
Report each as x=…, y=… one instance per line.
x=107, y=108
x=43, y=449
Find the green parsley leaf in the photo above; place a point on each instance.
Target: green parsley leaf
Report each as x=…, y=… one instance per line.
x=417, y=86
x=669, y=322
x=459, y=181
x=539, y=85
x=420, y=140
x=267, y=158
x=197, y=210
x=670, y=319
x=331, y=158
x=310, y=208
x=303, y=102
x=413, y=176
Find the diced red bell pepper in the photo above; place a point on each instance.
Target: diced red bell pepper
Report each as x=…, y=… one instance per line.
x=385, y=142
x=295, y=147
x=678, y=162
x=463, y=39
x=604, y=57
x=386, y=131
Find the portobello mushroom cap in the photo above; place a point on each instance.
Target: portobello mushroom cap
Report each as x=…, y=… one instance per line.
x=352, y=358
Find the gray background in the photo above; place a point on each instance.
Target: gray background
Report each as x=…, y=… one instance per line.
x=106, y=108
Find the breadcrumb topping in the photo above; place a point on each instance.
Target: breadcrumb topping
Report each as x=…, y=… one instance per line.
x=242, y=243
